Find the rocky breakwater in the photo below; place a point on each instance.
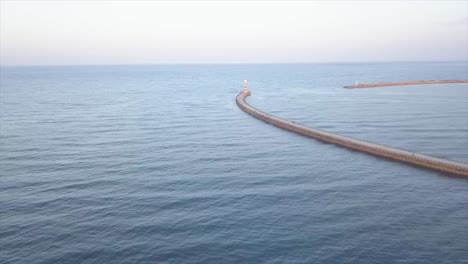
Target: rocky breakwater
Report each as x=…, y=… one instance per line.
x=420, y=160
x=385, y=84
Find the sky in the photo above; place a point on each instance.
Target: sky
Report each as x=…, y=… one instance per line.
x=178, y=32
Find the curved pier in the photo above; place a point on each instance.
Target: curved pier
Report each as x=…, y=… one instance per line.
x=429, y=162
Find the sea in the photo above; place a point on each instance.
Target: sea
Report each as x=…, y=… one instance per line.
x=157, y=164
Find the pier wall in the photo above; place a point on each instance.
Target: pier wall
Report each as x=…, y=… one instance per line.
x=385, y=84
x=425, y=161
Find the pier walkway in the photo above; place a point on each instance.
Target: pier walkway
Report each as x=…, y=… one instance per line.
x=424, y=161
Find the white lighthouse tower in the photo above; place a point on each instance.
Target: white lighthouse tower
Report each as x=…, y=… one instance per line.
x=246, y=88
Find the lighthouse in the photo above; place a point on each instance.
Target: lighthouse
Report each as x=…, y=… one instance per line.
x=246, y=88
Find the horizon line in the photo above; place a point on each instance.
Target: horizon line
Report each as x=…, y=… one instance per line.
x=231, y=63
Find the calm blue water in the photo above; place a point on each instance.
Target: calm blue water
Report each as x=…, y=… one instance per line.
x=156, y=164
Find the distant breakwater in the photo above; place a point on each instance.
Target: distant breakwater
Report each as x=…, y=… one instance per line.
x=385, y=84
x=420, y=160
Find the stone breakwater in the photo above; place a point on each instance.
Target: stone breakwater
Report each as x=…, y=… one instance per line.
x=385, y=84
x=429, y=162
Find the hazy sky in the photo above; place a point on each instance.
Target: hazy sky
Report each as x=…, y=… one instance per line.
x=141, y=32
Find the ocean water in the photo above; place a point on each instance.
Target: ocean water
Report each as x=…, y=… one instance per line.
x=156, y=164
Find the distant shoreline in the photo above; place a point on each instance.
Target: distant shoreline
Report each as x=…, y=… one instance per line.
x=385, y=84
